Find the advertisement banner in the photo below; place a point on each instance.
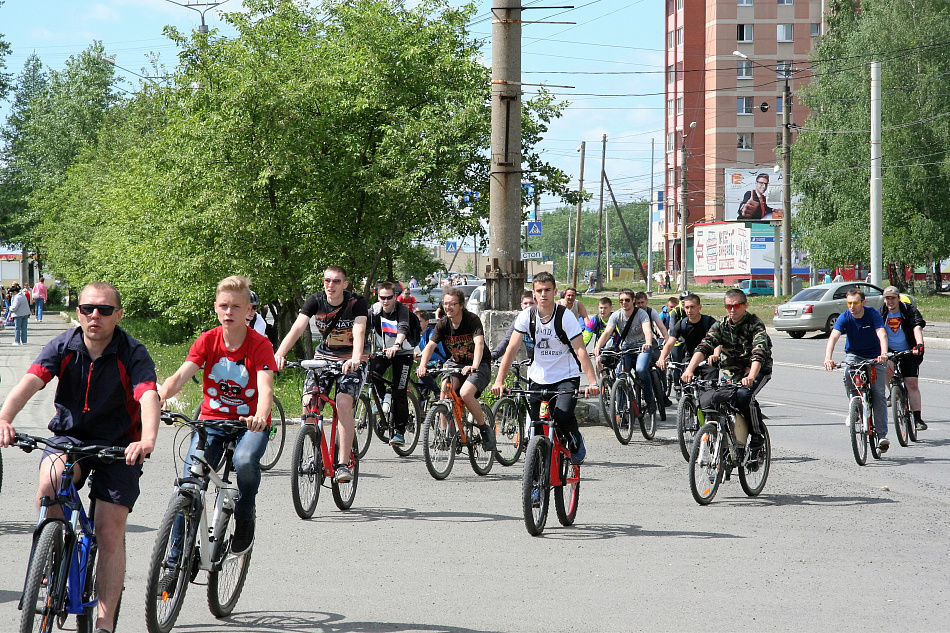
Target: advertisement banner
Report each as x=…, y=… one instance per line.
x=752, y=195
x=722, y=249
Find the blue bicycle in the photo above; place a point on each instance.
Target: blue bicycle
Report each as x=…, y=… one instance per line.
x=61, y=577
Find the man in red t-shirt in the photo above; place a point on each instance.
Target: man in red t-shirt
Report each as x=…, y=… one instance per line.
x=407, y=299
x=238, y=385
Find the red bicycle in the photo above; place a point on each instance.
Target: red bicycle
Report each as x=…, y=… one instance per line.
x=548, y=465
x=310, y=465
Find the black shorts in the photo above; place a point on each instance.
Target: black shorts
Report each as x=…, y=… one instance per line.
x=116, y=483
x=910, y=365
x=481, y=377
x=350, y=383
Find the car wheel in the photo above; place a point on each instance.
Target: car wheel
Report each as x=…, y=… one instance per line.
x=830, y=324
x=797, y=333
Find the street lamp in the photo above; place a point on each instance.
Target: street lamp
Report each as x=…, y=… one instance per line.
x=202, y=7
x=684, y=212
x=786, y=177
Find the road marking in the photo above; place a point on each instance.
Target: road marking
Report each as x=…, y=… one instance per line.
x=820, y=368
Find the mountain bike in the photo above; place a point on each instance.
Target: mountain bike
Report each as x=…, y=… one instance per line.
x=510, y=412
x=189, y=540
x=716, y=451
x=900, y=404
x=61, y=576
x=548, y=466
x=627, y=400
x=442, y=439
x=860, y=411
x=384, y=427
x=316, y=454
x=606, y=377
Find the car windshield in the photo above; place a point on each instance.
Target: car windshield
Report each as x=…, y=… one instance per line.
x=810, y=294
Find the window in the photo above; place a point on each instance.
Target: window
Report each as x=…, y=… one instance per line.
x=743, y=33
x=783, y=69
x=669, y=39
x=670, y=142
x=679, y=36
x=744, y=105
x=778, y=142
x=744, y=140
x=779, y=102
x=670, y=107
x=744, y=69
x=679, y=105
x=786, y=2
x=670, y=74
x=745, y=3
x=784, y=32
x=815, y=29
x=679, y=5
x=669, y=7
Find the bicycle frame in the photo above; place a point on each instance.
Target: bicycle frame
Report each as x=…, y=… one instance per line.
x=861, y=379
x=559, y=452
x=458, y=407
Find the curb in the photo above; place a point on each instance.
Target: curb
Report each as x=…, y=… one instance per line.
x=932, y=342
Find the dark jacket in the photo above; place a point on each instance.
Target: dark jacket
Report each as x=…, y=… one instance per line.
x=911, y=318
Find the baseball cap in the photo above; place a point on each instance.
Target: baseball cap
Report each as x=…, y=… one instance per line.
x=892, y=290
x=254, y=300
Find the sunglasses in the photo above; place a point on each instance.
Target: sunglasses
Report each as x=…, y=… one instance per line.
x=88, y=308
x=389, y=298
x=626, y=300
x=853, y=303
x=733, y=306
x=328, y=280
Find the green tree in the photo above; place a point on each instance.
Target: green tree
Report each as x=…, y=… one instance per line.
x=5, y=78
x=830, y=160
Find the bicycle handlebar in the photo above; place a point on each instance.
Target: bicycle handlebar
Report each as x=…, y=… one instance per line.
x=544, y=392
x=228, y=426
x=108, y=454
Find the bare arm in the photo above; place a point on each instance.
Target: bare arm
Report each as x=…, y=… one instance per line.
x=647, y=335
x=300, y=326
x=830, y=349
x=359, y=339
x=177, y=380
x=581, y=351
x=479, y=340
x=136, y=452
x=21, y=394
x=882, y=337
x=426, y=355
x=513, y=344
x=265, y=401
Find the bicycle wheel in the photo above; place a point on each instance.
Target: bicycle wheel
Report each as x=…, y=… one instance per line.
x=621, y=411
x=659, y=395
x=875, y=446
x=567, y=495
x=901, y=416
x=276, y=438
x=606, y=383
x=753, y=475
x=481, y=458
x=306, y=471
x=41, y=579
x=509, y=430
x=859, y=439
x=365, y=424
x=911, y=422
x=413, y=427
x=167, y=579
x=687, y=423
x=705, y=464
x=344, y=493
x=535, y=492
x=226, y=579
x=438, y=443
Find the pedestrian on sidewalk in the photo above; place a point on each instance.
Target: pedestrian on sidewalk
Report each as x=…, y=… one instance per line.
x=20, y=308
x=40, y=294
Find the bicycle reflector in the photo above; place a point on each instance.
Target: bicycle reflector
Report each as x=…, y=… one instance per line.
x=858, y=379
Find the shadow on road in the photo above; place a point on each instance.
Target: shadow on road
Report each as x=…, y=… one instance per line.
x=17, y=527
x=264, y=622
x=807, y=500
x=9, y=596
x=409, y=514
x=594, y=532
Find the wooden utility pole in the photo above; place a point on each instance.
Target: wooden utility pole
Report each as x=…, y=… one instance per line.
x=506, y=272
x=577, y=221
x=600, y=224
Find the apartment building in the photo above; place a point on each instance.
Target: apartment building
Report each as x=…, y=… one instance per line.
x=734, y=100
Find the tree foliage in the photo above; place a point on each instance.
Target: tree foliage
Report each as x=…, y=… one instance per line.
x=831, y=158
x=5, y=78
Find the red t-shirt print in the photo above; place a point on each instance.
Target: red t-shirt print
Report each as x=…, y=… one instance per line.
x=894, y=323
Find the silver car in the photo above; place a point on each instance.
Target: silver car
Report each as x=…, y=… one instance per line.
x=818, y=307
x=427, y=298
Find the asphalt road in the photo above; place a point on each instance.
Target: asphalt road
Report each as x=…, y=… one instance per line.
x=828, y=546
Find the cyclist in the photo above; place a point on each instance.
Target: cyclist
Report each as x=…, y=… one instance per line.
x=571, y=303
x=686, y=334
x=438, y=356
x=596, y=325
x=238, y=385
x=464, y=337
x=660, y=334
x=673, y=311
x=390, y=329
x=745, y=356
x=405, y=298
x=255, y=320
x=866, y=339
x=527, y=300
x=106, y=394
x=635, y=334
x=559, y=353
x=341, y=318
x=905, y=331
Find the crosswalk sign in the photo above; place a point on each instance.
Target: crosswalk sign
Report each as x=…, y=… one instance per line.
x=451, y=247
x=534, y=229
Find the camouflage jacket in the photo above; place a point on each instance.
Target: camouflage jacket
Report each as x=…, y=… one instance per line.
x=742, y=343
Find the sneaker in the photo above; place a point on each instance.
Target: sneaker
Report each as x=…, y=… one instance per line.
x=756, y=441
x=488, y=438
x=578, y=450
x=884, y=445
x=651, y=408
x=667, y=403
x=243, y=538
x=344, y=474
x=920, y=425
x=398, y=440
x=168, y=583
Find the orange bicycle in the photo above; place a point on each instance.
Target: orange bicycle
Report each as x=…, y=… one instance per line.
x=441, y=441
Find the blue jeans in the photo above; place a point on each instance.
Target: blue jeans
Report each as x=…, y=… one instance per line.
x=39, y=302
x=644, y=362
x=19, y=322
x=247, y=466
x=878, y=394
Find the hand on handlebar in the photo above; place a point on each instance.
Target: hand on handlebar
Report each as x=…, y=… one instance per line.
x=661, y=364
x=7, y=433
x=255, y=423
x=591, y=390
x=830, y=365
x=136, y=452
x=421, y=370
x=498, y=388
x=687, y=376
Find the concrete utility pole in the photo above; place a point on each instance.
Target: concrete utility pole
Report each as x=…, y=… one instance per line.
x=684, y=212
x=650, y=224
x=786, y=189
x=877, y=220
x=600, y=224
x=577, y=222
x=506, y=271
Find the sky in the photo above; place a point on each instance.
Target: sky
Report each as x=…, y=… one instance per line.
x=612, y=56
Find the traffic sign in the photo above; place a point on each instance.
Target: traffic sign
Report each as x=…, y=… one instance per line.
x=531, y=254
x=534, y=229
x=451, y=247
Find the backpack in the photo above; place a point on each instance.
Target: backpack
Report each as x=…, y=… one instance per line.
x=559, y=311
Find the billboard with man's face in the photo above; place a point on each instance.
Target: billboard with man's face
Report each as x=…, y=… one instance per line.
x=752, y=195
